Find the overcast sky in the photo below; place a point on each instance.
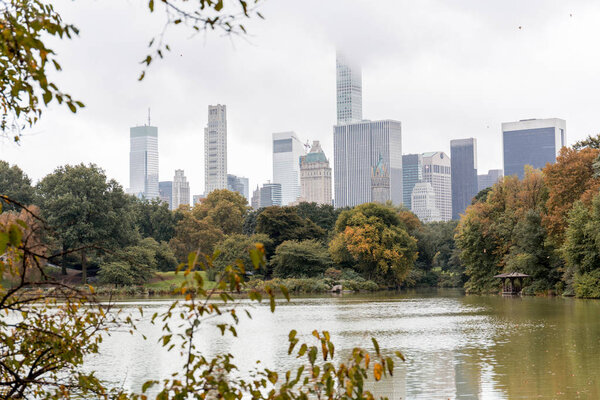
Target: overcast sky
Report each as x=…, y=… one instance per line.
x=446, y=68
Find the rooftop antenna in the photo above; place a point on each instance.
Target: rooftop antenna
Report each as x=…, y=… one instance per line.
x=148, y=116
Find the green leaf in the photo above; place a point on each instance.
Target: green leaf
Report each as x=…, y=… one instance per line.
x=376, y=345
x=15, y=235
x=151, y=5
x=400, y=356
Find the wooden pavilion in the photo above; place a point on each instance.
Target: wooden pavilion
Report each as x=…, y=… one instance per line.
x=512, y=282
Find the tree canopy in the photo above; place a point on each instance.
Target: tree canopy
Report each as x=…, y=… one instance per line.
x=15, y=184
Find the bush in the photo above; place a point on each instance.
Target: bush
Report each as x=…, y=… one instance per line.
x=333, y=273
x=359, y=285
x=294, y=259
x=587, y=285
x=118, y=273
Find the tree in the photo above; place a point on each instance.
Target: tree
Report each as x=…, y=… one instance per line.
x=154, y=219
x=294, y=259
x=570, y=179
x=225, y=208
x=324, y=215
x=192, y=234
x=16, y=185
x=590, y=142
x=87, y=212
x=284, y=223
x=372, y=238
x=236, y=247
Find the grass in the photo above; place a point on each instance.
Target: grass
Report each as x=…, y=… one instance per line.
x=170, y=279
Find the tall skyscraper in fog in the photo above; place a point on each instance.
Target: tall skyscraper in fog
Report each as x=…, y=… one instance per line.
x=437, y=170
x=349, y=90
x=287, y=149
x=165, y=192
x=181, y=189
x=215, y=149
x=534, y=142
x=463, y=153
x=143, y=161
x=362, y=149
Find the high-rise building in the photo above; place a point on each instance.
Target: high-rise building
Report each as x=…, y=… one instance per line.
x=357, y=150
x=315, y=176
x=487, y=180
x=270, y=195
x=239, y=184
x=463, y=153
x=412, y=173
x=181, y=189
x=534, y=142
x=255, y=200
x=349, y=90
x=437, y=171
x=423, y=202
x=287, y=149
x=143, y=162
x=165, y=192
x=380, y=182
x=215, y=149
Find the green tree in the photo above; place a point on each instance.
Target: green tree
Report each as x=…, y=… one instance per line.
x=136, y=264
x=225, y=208
x=372, y=239
x=15, y=184
x=324, y=215
x=284, y=223
x=590, y=142
x=293, y=259
x=154, y=219
x=87, y=212
x=192, y=234
x=236, y=247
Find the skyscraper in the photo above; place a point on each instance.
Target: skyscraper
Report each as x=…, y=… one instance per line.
x=423, y=202
x=357, y=150
x=143, y=161
x=437, y=171
x=238, y=184
x=412, y=173
x=215, y=149
x=463, y=153
x=181, y=189
x=486, y=180
x=287, y=149
x=349, y=90
x=270, y=195
x=315, y=176
x=534, y=142
x=165, y=192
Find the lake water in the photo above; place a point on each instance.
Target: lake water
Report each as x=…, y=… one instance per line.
x=457, y=347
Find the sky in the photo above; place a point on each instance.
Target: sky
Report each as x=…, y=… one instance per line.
x=445, y=69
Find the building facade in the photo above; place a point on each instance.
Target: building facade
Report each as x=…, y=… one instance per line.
x=349, y=90
x=215, y=149
x=412, y=173
x=165, y=192
x=534, y=142
x=485, y=181
x=463, y=153
x=315, y=176
x=143, y=162
x=380, y=182
x=357, y=148
x=287, y=149
x=239, y=184
x=423, y=203
x=437, y=170
x=270, y=195
x=181, y=189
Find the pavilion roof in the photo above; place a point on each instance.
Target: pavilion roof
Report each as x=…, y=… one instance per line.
x=512, y=275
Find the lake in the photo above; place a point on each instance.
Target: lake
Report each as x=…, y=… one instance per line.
x=457, y=347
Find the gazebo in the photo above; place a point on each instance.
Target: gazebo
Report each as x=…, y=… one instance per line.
x=508, y=282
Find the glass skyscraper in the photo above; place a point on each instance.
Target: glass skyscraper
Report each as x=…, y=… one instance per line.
x=463, y=153
x=349, y=90
x=357, y=149
x=215, y=149
x=287, y=149
x=143, y=162
x=238, y=184
x=165, y=192
x=534, y=142
x=412, y=173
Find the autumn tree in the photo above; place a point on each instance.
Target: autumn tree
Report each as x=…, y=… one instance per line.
x=570, y=179
x=372, y=239
x=193, y=234
x=226, y=210
x=87, y=212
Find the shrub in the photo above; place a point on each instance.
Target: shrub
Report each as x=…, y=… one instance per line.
x=587, y=285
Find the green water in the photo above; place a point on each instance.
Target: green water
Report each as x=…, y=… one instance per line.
x=464, y=347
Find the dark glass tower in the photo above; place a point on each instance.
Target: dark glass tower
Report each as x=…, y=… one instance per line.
x=463, y=153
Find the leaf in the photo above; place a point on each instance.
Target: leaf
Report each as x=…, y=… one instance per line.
x=376, y=345
x=147, y=385
x=400, y=356
x=15, y=235
x=377, y=371
x=151, y=5
x=390, y=365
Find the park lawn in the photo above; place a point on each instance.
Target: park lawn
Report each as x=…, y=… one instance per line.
x=164, y=280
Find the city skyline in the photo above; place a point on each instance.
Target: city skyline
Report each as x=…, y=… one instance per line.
x=456, y=94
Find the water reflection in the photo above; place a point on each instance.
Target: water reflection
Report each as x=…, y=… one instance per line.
x=471, y=347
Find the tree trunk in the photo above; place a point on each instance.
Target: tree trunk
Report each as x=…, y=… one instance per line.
x=63, y=267
x=83, y=267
